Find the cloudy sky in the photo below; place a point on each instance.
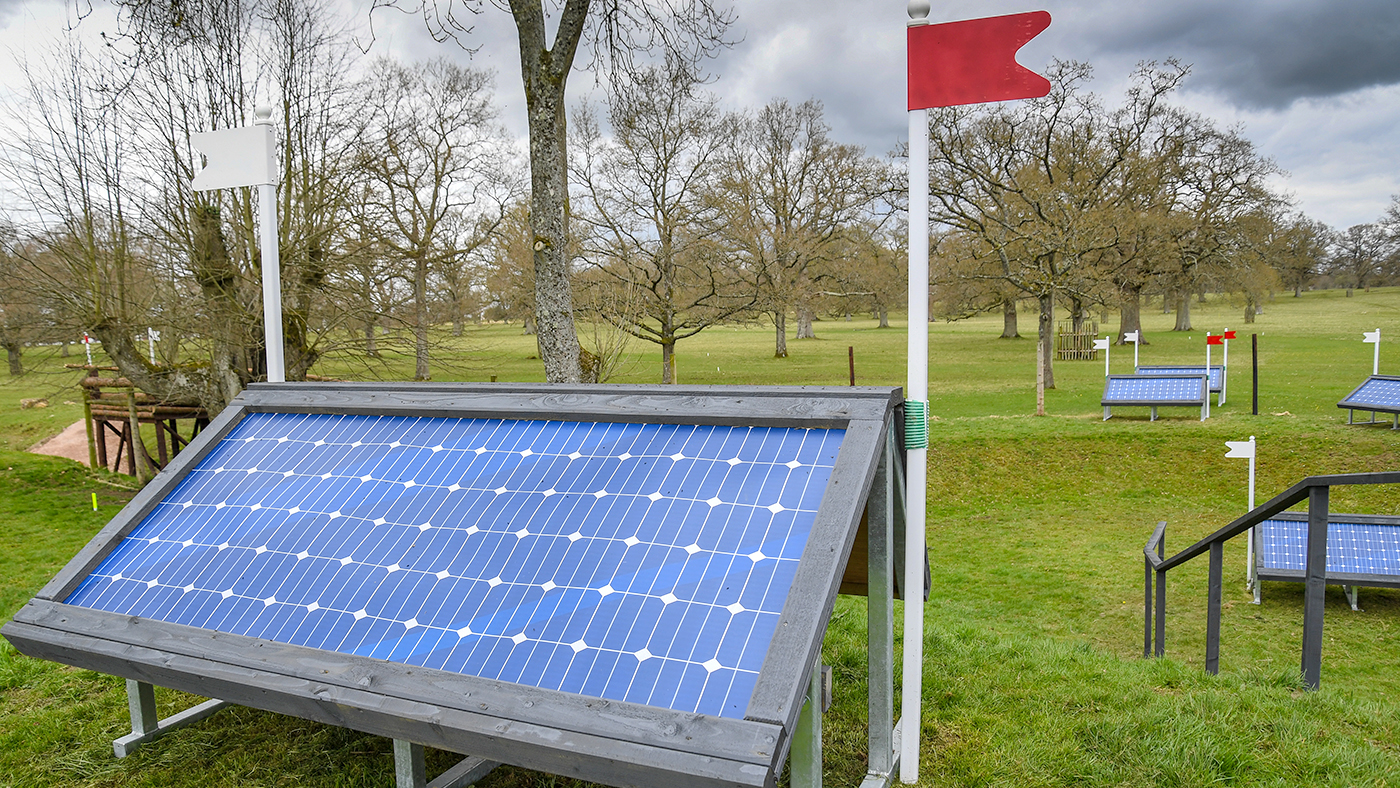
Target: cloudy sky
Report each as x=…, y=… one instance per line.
x=1314, y=83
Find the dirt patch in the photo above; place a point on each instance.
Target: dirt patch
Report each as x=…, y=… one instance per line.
x=72, y=444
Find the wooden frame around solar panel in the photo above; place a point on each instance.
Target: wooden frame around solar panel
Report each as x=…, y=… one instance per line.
x=609, y=741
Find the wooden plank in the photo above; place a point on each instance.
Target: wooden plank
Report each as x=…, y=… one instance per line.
x=730, y=405
x=541, y=747
x=738, y=740
x=781, y=685
x=137, y=508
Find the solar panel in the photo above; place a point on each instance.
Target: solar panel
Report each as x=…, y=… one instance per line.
x=1217, y=373
x=1379, y=393
x=1352, y=547
x=625, y=584
x=638, y=562
x=1153, y=389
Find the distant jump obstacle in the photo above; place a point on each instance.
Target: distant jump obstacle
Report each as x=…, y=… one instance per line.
x=1156, y=391
x=1217, y=376
x=1378, y=394
x=1362, y=550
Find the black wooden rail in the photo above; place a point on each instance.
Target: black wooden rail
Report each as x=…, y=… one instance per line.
x=1314, y=490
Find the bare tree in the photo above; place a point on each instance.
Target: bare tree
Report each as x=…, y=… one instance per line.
x=615, y=31
x=434, y=164
x=788, y=193
x=1358, y=254
x=650, y=229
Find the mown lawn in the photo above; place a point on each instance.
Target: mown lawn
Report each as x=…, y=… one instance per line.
x=1033, y=671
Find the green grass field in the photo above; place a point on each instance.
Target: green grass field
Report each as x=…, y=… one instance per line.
x=1033, y=673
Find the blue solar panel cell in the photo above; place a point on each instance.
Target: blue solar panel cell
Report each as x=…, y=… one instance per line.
x=638, y=562
x=1376, y=392
x=1358, y=548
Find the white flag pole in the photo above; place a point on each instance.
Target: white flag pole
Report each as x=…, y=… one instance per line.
x=151, y=338
x=87, y=346
x=247, y=156
x=1224, y=368
x=271, y=270
x=1102, y=344
x=1376, y=357
x=916, y=464
x=1132, y=336
x=1242, y=449
x=1207, y=374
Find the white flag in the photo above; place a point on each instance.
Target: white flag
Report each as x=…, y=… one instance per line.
x=1240, y=449
x=1101, y=344
x=1131, y=336
x=1370, y=337
x=244, y=156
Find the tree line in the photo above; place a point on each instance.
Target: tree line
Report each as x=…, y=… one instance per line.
x=406, y=211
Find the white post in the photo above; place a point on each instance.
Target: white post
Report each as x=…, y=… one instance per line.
x=1132, y=336
x=271, y=270
x=87, y=346
x=1243, y=449
x=1376, y=357
x=1207, y=374
x=916, y=466
x=1224, y=368
x=1102, y=344
x=151, y=335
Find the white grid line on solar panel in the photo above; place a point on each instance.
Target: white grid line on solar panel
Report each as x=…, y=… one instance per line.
x=1215, y=372
x=1385, y=393
x=1153, y=389
x=203, y=525
x=1358, y=548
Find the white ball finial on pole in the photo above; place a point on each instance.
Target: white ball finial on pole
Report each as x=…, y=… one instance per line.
x=263, y=115
x=918, y=12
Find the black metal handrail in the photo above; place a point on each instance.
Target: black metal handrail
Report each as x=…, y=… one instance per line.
x=1315, y=490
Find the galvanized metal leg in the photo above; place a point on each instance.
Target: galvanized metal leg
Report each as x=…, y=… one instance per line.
x=1350, y=591
x=145, y=726
x=883, y=751
x=1154, y=413
x=1107, y=413
x=1217, y=569
x=805, y=758
x=1315, y=587
x=411, y=770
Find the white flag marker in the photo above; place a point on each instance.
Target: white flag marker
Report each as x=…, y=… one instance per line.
x=247, y=156
x=1102, y=344
x=1246, y=450
x=1132, y=336
x=152, y=336
x=1374, y=338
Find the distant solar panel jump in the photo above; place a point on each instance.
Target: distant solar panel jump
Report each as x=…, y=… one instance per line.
x=478, y=568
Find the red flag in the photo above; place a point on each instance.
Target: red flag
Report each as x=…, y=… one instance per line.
x=973, y=61
x=1229, y=335
x=1218, y=339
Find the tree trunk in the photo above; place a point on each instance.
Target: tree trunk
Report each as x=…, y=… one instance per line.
x=1249, y=310
x=1183, y=311
x=1046, y=338
x=1076, y=316
x=1008, y=320
x=63, y=349
x=1297, y=291
x=884, y=317
x=1039, y=376
x=420, y=320
x=371, y=338
x=545, y=72
x=1348, y=292
x=780, y=333
x=529, y=327
x=12, y=352
x=1130, y=314
x=668, y=363
x=804, y=325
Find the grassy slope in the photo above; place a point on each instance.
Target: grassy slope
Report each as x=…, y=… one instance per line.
x=1036, y=527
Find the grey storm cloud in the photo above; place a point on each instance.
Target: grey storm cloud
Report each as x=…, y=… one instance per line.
x=1262, y=54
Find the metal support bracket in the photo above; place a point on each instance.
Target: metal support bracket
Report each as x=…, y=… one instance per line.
x=145, y=726
x=411, y=770
x=1350, y=591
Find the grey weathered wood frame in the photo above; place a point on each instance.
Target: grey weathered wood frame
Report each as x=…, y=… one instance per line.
x=605, y=741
